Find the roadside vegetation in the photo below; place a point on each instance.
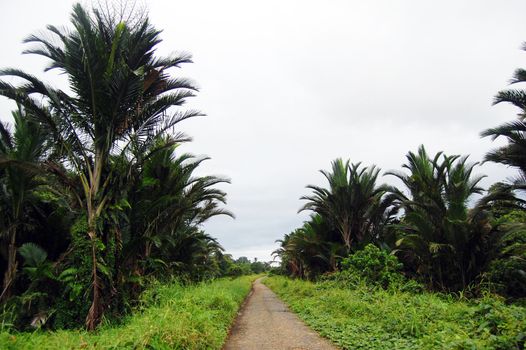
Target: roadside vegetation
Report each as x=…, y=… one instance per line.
x=96, y=199
x=364, y=317
x=97, y=203
x=169, y=316
x=434, y=262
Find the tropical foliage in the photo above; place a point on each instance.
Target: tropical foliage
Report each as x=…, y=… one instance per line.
x=353, y=204
x=97, y=201
x=429, y=226
x=514, y=152
x=169, y=316
x=312, y=249
x=95, y=196
x=442, y=240
x=22, y=155
x=434, y=225
x=373, y=318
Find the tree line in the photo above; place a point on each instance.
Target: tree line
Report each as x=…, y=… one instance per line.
x=433, y=225
x=96, y=197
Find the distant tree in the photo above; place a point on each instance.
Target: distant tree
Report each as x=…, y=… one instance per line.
x=242, y=260
x=258, y=267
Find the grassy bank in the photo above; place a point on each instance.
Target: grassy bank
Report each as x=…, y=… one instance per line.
x=376, y=319
x=172, y=317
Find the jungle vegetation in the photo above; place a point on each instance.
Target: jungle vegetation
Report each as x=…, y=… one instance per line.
x=169, y=315
x=96, y=199
x=446, y=231
x=359, y=316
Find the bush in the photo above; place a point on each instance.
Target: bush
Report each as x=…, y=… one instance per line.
x=508, y=276
x=507, y=273
x=371, y=266
x=71, y=306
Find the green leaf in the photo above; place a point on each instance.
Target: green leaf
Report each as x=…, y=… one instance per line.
x=33, y=254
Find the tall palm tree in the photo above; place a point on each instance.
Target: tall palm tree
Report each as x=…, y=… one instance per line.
x=442, y=237
x=514, y=152
x=509, y=262
x=353, y=203
x=122, y=95
x=22, y=155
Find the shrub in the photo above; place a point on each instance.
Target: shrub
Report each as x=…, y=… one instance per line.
x=372, y=266
x=507, y=272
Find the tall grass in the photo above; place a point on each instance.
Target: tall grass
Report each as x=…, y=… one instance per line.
x=366, y=318
x=172, y=316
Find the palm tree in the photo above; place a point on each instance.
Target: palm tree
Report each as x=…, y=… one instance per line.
x=22, y=155
x=508, y=266
x=353, y=203
x=192, y=252
x=290, y=254
x=311, y=249
x=443, y=238
x=514, y=153
x=122, y=95
x=167, y=201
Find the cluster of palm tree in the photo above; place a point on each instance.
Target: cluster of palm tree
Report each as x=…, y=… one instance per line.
x=94, y=195
x=441, y=238
x=312, y=249
x=433, y=225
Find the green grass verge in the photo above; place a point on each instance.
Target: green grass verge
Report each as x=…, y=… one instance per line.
x=173, y=317
x=364, y=318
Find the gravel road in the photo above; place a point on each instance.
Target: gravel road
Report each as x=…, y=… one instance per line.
x=265, y=322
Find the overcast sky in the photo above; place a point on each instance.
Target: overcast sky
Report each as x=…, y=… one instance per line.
x=288, y=86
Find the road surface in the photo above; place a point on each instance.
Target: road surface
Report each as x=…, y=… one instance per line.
x=265, y=323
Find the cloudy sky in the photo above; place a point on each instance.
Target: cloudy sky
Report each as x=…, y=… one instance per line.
x=288, y=86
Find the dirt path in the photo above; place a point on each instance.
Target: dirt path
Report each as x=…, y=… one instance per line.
x=266, y=323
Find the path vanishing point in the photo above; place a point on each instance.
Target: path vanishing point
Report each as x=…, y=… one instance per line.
x=265, y=323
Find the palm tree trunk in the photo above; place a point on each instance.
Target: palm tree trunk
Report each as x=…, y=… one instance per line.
x=147, y=250
x=10, y=273
x=346, y=235
x=95, y=311
x=117, y=266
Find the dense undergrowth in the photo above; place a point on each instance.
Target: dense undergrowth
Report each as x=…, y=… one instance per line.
x=365, y=317
x=171, y=316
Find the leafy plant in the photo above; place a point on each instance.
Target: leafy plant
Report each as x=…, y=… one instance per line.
x=353, y=204
x=373, y=266
x=506, y=273
x=36, y=265
x=441, y=240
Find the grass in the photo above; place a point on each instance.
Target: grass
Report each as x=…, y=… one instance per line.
x=173, y=317
x=365, y=318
